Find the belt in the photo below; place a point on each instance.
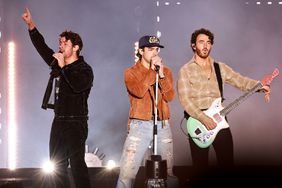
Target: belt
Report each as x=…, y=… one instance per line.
x=72, y=117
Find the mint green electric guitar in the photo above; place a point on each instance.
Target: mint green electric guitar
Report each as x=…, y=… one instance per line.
x=203, y=137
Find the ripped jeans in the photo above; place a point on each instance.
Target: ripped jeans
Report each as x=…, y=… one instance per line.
x=139, y=138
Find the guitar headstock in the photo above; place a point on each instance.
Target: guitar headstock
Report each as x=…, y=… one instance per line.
x=268, y=78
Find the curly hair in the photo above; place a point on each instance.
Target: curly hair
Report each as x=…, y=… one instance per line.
x=138, y=54
x=74, y=38
x=198, y=32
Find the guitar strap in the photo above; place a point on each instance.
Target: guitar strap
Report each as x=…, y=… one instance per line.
x=219, y=81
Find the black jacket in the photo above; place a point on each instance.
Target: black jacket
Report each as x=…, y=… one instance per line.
x=72, y=83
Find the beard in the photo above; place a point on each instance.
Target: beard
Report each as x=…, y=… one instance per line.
x=202, y=54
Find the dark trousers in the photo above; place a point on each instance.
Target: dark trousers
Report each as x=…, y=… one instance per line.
x=67, y=146
x=223, y=146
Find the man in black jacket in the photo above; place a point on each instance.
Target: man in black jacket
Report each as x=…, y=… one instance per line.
x=67, y=92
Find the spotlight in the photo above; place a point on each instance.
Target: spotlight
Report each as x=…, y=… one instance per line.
x=158, y=18
x=102, y=156
x=136, y=47
x=12, y=125
x=96, y=150
x=111, y=164
x=48, y=167
x=92, y=159
x=167, y=3
x=159, y=34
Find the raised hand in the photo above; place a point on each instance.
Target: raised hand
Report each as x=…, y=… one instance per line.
x=28, y=19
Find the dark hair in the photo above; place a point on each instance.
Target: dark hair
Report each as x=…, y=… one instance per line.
x=74, y=38
x=138, y=54
x=198, y=32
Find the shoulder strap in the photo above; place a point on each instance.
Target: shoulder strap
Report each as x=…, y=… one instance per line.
x=219, y=79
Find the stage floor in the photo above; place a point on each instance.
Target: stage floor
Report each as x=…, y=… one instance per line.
x=186, y=177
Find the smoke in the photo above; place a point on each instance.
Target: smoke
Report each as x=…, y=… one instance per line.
x=247, y=38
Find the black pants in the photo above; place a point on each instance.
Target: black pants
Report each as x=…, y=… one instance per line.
x=223, y=146
x=67, y=146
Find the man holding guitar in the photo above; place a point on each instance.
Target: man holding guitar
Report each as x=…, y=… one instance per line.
x=199, y=86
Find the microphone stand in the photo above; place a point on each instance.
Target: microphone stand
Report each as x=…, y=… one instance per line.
x=155, y=130
x=156, y=168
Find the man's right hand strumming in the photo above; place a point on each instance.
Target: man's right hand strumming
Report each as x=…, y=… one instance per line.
x=209, y=123
x=28, y=19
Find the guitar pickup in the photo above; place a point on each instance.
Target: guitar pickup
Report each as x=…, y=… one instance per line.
x=217, y=117
x=198, y=131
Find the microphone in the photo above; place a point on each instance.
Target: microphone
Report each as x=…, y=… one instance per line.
x=53, y=62
x=157, y=67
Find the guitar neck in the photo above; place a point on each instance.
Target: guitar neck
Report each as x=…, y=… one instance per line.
x=239, y=100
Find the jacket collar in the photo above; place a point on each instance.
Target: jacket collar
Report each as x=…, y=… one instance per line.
x=78, y=61
x=141, y=67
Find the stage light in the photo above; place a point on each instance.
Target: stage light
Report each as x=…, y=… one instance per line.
x=48, y=167
x=269, y=3
x=96, y=151
x=91, y=159
x=11, y=122
x=111, y=164
x=158, y=3
x=159, y=34
x=258, y=2
x=178, y=3
x=167, y=3
x=280, y=2
x=136, y=47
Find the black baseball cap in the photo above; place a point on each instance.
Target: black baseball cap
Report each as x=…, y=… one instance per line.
x=149, y=41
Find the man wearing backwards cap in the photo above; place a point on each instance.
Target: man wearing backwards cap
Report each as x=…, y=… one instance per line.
x=140, y=82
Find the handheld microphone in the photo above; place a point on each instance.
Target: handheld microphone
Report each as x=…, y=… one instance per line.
x=157, y=67
x=53, y=62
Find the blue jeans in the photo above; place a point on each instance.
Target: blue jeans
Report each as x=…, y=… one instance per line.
x=139, y=138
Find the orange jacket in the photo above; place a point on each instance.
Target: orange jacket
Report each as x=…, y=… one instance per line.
x=140, y=82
